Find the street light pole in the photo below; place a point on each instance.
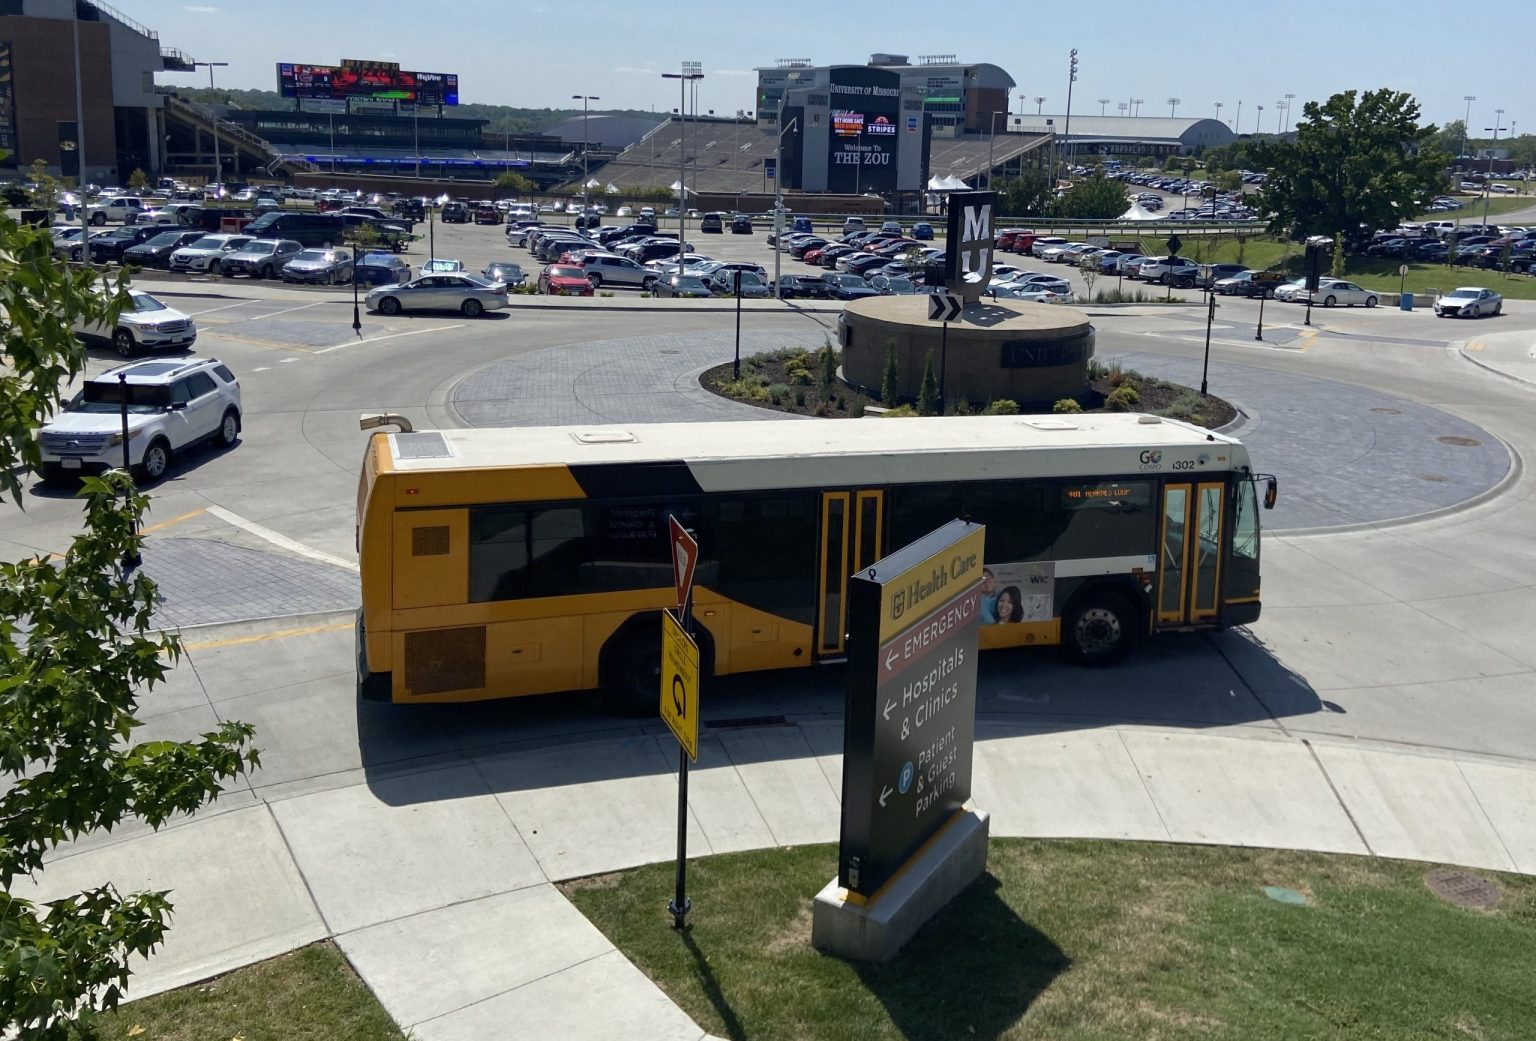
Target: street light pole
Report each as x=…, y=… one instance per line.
x=1237, y=122
x=1067, y=130
x=1498, y=120
x=218, y=166
x=586, y=173
x=691, y=72
x=778, y=200
x=80, y=179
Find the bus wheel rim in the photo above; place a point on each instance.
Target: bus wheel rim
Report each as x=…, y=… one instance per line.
x=1098, y=630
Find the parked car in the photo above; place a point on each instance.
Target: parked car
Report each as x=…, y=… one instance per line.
x=803, y=246
x=328, y=266
x=852, y=224
x=894, y=285
x=564, y=280
x=463, y=293
x=170, y=406
x=1338, y=292
x=605, y=269
x=144, y=323
x=380, y=269
x=454, y=213
x=741, y=225
x=847, y=287
x=1210, y=274
x=487, y=213
x=712, y=224
x=259, y=258
x=802, y=287
x=1168, y=271
x=109, y=247
x=1469, y=302
x=205, y=253
x=682, y=286
x=751, y=285
x=506, y=273
x=156, y=252
x=922, y=231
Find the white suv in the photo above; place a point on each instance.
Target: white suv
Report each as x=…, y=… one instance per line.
x=144, y=324
x=172, y=405
x=206, y=252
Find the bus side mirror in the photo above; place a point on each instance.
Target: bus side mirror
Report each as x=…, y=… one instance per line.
x=1271, y=493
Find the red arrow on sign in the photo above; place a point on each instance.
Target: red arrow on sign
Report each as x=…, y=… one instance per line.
x=685, y=557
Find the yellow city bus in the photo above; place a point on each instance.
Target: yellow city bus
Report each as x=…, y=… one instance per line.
x=502, y=562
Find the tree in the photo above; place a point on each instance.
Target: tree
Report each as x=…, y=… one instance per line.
x=75, y=651
x=513, y=183
x=1092, y=198
x=45, y=196
x=890, y=384
x=1357, y=163
x=928, y=390
x=1230, y=181
x=1027, y=195
x=138, y=180
x=1089, y=268
x=1451, y=138
x=1336, y=267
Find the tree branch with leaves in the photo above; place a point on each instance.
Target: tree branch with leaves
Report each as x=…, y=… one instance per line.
x=77, y=651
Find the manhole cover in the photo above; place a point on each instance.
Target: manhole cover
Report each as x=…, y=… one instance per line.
x=1388, y=411
x=1463, y=888
x=1460, y=442
x=1437, y=478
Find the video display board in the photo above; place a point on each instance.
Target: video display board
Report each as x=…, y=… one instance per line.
x=374, y=81
x=866, y=113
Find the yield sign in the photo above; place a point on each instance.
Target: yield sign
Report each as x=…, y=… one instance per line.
x=685, y=557
x=943, y=306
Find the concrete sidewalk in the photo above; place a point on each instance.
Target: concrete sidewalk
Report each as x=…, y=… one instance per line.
x=427, y=844
x=1510, y=354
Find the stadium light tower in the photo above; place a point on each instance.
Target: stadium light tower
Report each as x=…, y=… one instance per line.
x=1138, y=103
x=1466, y=124
x=218, y=170
x=1039, y=104
x=1258, y=123
x=586, y=173
x=1122, y=106
x=1067, y=130
x=1173, y=105
x=692, y=71
x=1288, y=99
x=1102, y=103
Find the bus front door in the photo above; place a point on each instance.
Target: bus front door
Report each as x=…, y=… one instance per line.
x=851, y=523
x=1189, y=554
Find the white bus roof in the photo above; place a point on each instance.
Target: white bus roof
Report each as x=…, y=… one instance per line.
x=831, y=453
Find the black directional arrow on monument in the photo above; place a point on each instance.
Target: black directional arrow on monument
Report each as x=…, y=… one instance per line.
x=943, y=307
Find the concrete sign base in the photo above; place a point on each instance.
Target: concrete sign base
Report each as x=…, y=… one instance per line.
x=877, y=931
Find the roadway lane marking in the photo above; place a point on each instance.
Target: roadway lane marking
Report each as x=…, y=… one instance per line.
x=290, y=310
x=281, y=634
x=391, y=336
x=226, y=307
x=174, y=520
x=278, y=539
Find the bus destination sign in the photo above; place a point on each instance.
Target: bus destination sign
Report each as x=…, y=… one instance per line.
x=914, y=619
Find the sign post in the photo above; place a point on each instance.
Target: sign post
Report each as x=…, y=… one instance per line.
x=943, y=306
x=680, y=697
x=914, y=623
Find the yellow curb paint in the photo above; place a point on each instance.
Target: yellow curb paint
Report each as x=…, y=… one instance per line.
x=281, y=634
x=174, y=520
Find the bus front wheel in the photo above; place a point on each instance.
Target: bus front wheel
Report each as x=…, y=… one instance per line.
x=1100, y=629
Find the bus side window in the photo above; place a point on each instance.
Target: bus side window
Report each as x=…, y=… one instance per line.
x=1245, y=525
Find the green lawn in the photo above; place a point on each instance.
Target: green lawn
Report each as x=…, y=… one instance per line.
x=309, y=995
x=1092, y=941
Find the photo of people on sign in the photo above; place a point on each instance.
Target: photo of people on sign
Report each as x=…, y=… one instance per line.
x=1017, y=592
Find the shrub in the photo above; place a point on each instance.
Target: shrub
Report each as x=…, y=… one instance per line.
x=900, y=412
x=1118, y=377
x=800, y=399
x=856, y=410
x=827, y=357
x=960, y=407
x=800, y=376
x=1067, y=405
x=892, y=379
x=1002, y=407
x=778, y=393
x=605, y=294
x=1122, y=400
x=1096, y=369
x=928, y=390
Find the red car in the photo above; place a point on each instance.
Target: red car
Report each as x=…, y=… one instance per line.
x=564, y=280
x=1016, y=240
x=812, y=256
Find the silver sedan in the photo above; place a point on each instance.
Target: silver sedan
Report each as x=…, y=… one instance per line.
x=468, y=295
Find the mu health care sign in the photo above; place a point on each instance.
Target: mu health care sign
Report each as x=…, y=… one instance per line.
x=914, y=618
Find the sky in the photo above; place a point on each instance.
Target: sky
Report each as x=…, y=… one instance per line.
x=537, y=54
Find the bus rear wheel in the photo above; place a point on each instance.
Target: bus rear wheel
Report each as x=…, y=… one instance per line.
x=1100, y=630
x=631, y=677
